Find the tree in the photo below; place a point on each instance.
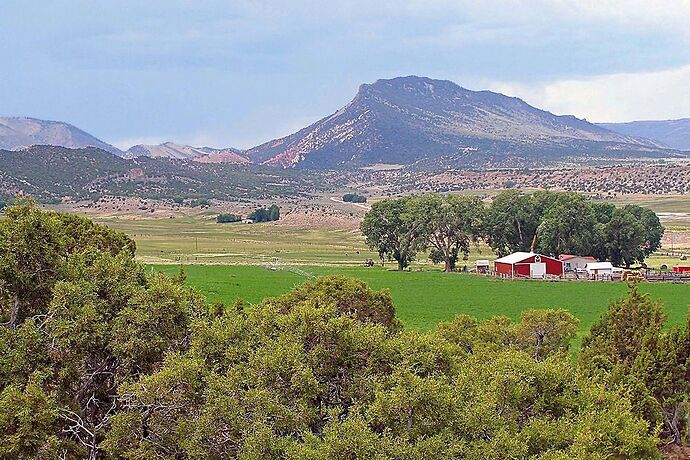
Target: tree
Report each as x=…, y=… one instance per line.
x=630, y=349
x=623, y=236
x=82, y=318
x=448, y=224
x=544, y=333
x=34, y=248
x=391, y=231
x=652, y=230
x=306, y=376
x=273, y=212
x=109, y=323
x=32, y=254
x=568, y=226
x=354, y=198
x=228, y=218
x=511, y=222
x=265, y=215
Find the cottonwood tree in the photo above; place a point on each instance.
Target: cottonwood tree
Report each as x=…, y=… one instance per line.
x=391, y=230
x=511, y=222
x=448, y=225
x=568, y=226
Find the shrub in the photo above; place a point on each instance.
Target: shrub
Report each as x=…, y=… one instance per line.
x=354, y=198
x=228, y=218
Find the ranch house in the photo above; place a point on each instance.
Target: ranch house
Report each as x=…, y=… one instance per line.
x=528, y=265
x=572, y=262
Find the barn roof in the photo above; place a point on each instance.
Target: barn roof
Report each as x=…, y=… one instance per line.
x=515, y=257
x=572, y=256
x=519, y=257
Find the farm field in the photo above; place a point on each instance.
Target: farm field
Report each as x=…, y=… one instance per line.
x=425, y=298
x=203, y=241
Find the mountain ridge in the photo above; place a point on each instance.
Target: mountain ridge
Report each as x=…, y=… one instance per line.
x=18, y=133
x=673, y=133
x=408, y=119
x=175, y=151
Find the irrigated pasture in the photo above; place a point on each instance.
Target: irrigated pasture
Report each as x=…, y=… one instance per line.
x=425, y=298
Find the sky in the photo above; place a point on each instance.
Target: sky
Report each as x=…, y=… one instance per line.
x=239, y=73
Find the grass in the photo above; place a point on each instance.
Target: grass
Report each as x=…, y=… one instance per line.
x=425, y=298
x=203, y=241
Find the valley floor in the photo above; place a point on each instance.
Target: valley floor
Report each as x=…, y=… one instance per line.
x=425, y=298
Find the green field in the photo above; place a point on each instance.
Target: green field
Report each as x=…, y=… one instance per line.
x=425, y=298
x=203, y=241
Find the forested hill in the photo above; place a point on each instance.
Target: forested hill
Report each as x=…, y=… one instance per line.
x=50, y=172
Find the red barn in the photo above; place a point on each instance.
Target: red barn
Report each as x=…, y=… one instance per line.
x=528, y=265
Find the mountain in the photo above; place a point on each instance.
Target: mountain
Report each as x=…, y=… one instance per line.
x=186, y=152
x=673, y=133
x=21, y=132
x=417, y=120
x=49, y=172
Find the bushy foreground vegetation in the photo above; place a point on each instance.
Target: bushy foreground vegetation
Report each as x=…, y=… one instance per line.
x=556, y=223
x=100, y=360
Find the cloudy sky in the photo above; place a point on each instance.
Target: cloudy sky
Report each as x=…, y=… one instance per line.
x=237, y=73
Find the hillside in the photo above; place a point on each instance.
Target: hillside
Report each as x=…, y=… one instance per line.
x=673, y=133
x=51, y=172
x=186, y=152
x=21, y=132
x=410, y=120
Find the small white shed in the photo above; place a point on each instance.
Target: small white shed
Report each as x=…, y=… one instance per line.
x=599, y=268
x=483, y=266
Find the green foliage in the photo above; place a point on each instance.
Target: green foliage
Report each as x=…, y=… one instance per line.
x=630, y=350
x=265, y=215
x=354, y=198
x=567, y=226
x=228, y=218
x=447, y=225
x=34, y=247
x=511, y=222
x=301, y=377
x=200, y=202
x=566, y=223
x=554, y=223
x=391, y=230
x=29, y=424
x=81, y=318
x=107, y=361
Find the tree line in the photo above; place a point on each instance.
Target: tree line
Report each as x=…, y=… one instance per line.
x=447, y=226
x=101, y=358
x=258, y=215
